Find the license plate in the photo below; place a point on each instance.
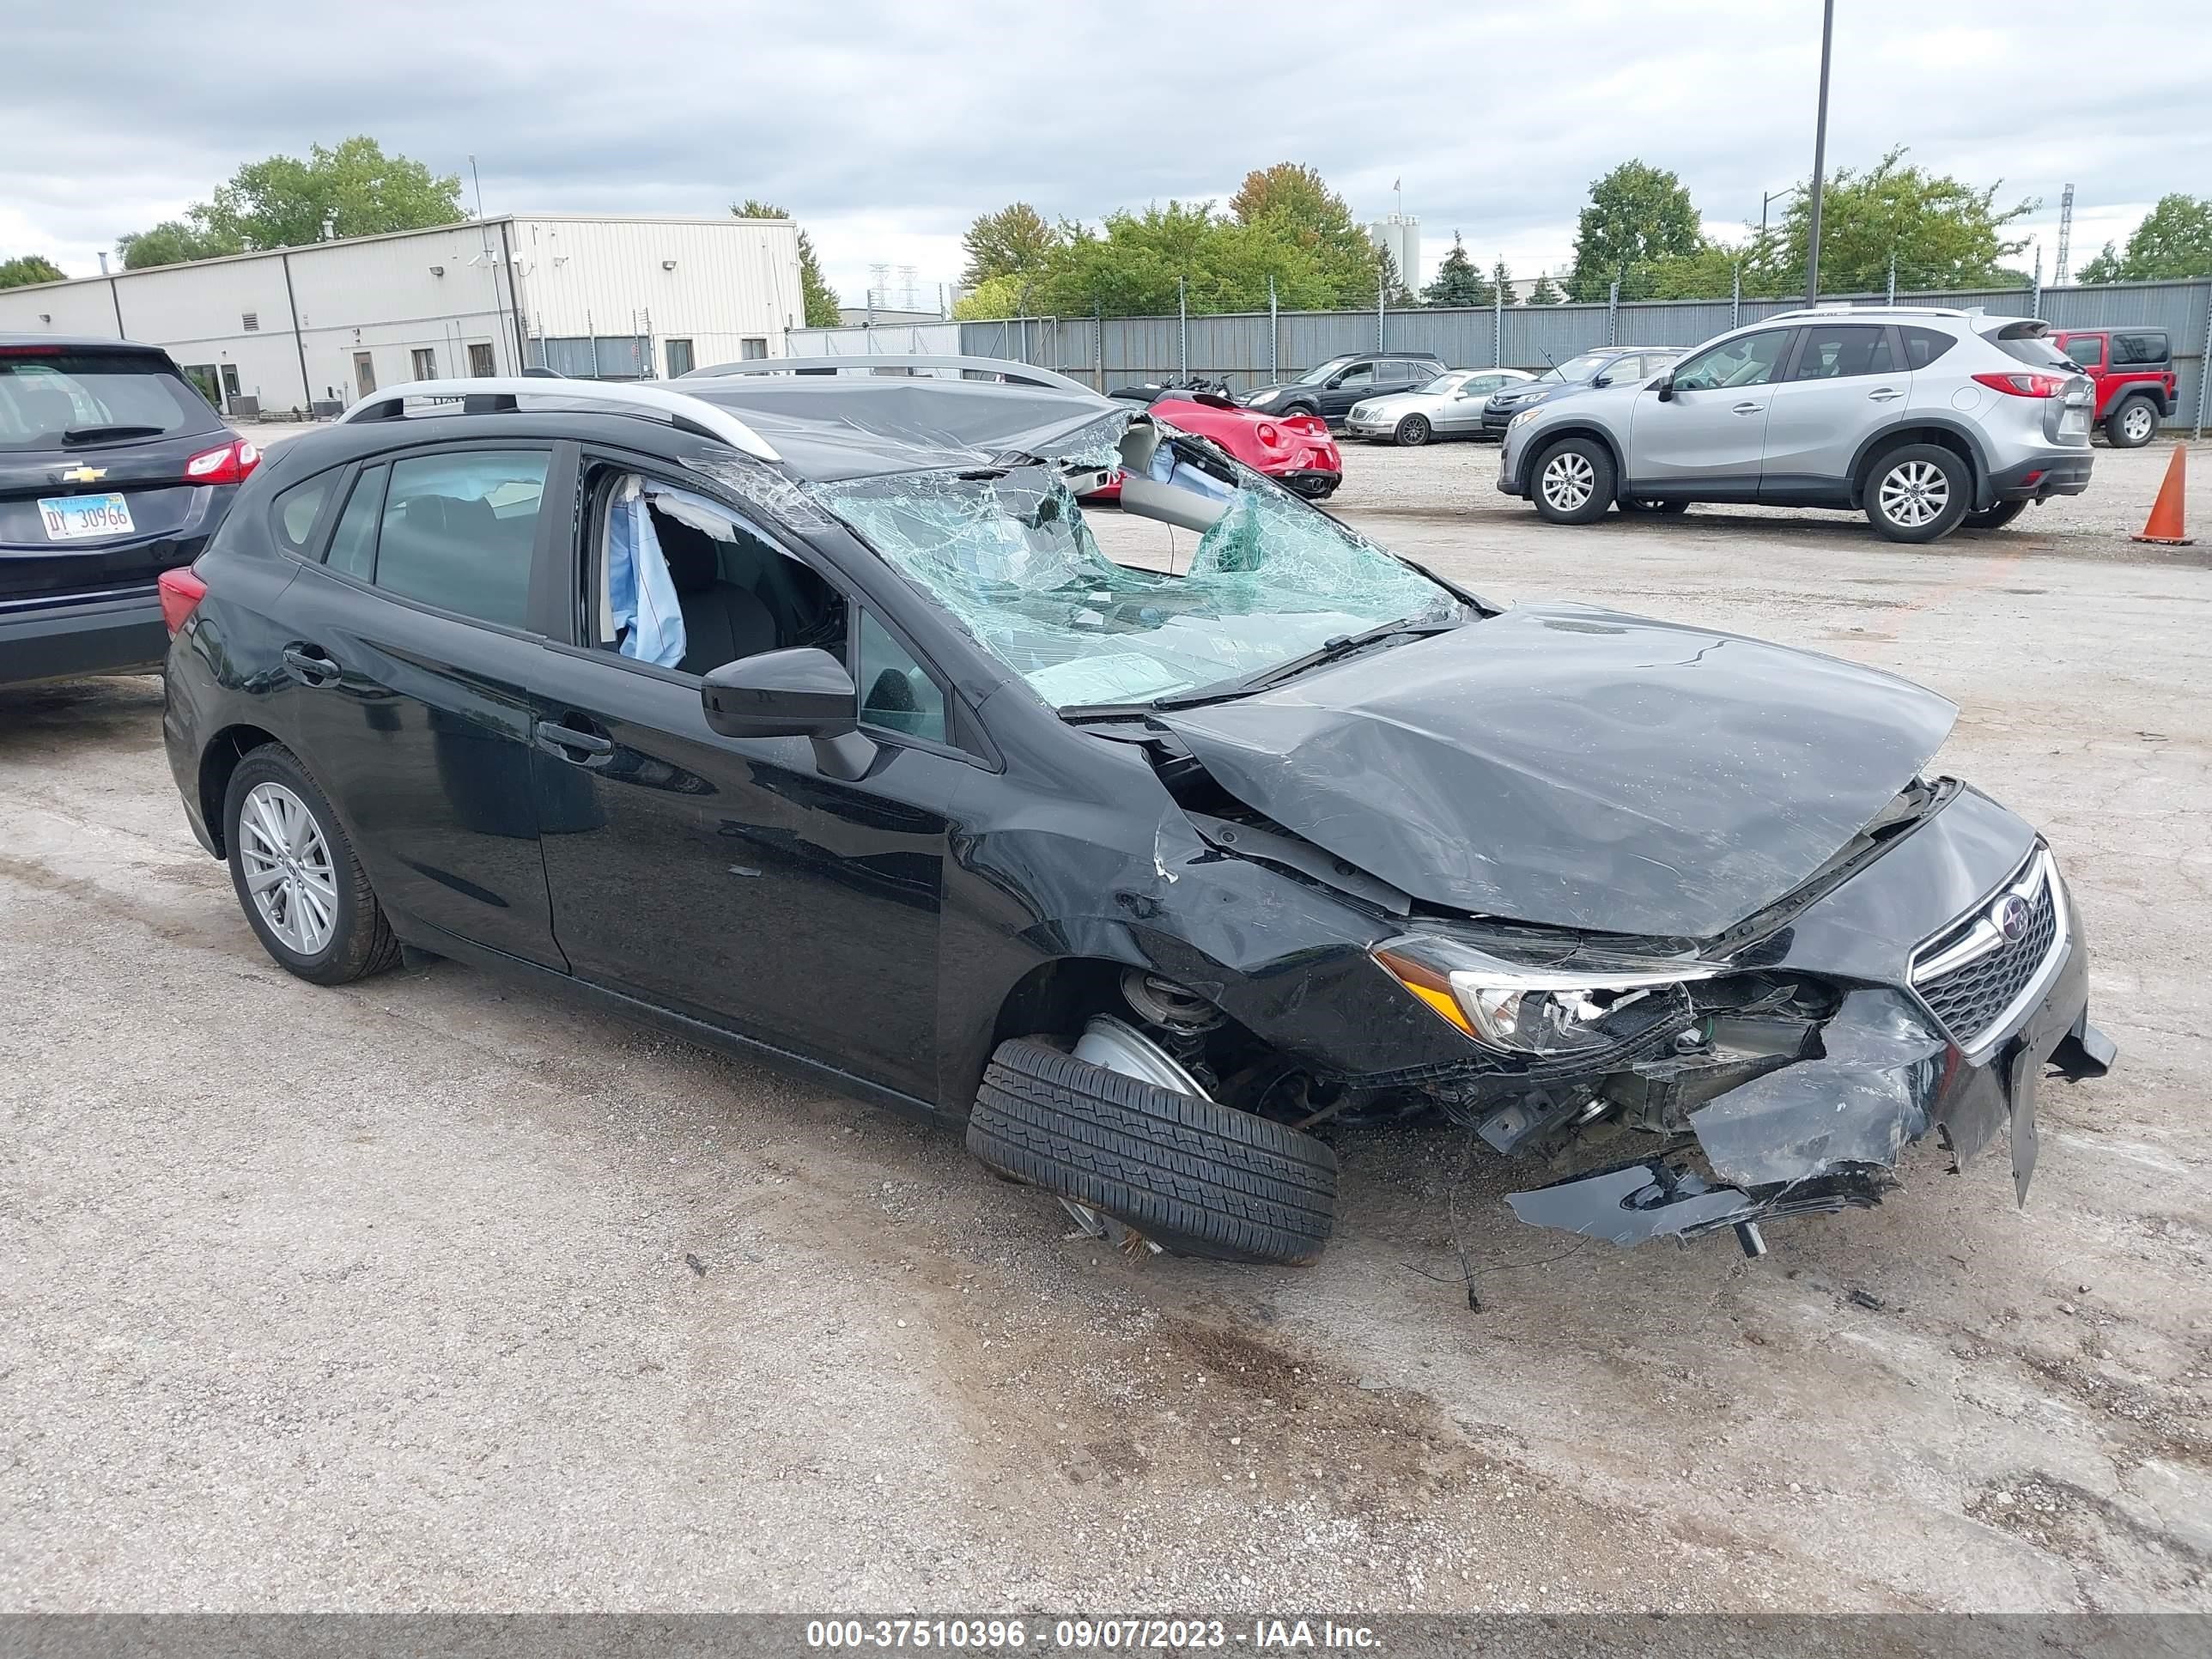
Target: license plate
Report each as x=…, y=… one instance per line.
x=73, y=518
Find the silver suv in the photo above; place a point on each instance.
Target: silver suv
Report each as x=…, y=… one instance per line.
x=1924, y=419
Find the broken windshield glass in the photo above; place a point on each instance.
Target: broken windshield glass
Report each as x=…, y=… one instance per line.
x=1010, y=556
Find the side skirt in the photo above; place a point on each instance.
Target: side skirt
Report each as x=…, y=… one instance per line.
x=421, y=936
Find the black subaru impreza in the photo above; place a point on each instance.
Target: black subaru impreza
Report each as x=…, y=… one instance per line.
x=805, y=713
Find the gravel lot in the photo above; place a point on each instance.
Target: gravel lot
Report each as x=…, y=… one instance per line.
x=430, y=1294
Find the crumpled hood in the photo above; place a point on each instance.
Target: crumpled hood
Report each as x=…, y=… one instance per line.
x=1578, y=767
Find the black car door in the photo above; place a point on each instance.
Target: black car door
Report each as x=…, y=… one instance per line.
x=736, y=881
x=1348, y=387
x=413, y=638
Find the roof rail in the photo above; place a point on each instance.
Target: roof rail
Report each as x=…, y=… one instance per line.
x=1005, y=368
x=498, y=394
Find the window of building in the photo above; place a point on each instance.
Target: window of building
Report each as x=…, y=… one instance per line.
x=751, y=348
x=426, y=363
x=458, y=529
x=251, y=322
x=679, y=358
x=481, y=364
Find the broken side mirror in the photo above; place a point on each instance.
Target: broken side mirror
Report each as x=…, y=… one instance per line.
x=1664, y=385
x=801, y=692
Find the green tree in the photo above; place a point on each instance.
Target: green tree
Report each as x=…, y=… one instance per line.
x=1014, y=240
x=2174, y=239
x=353, y=189
x=1501, y=280
x=1296, y=203
x=1131, y=264
x=26, y=268
x=1638, y=215
x=1545, y=293
x=1457, y=282
x=1943, y=233
x=995, y=297
x=175, y=240
x=816, y=296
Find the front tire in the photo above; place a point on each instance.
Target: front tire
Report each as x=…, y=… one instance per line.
x=1996, y=518
x=1574, y=481
x=1918, y=493
x=303, y=892
x=1412, y=432
x=1187, y=1174
x=2133, y=424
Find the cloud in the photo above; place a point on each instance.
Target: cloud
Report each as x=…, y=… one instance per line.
x=886, y=127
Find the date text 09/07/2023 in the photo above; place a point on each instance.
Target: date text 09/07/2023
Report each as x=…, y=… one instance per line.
x=1104, y=1635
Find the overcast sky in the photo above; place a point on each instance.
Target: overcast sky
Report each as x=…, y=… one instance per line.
x=887, y=127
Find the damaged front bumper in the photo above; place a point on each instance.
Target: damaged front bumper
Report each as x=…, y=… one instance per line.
x=1826, y=1134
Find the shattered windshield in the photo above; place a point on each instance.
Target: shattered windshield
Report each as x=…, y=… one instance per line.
x=1008, y=553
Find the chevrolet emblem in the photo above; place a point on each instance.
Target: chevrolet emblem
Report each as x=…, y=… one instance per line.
x=83, y=474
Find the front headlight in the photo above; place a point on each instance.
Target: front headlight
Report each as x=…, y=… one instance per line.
x=1262, y=399
x=1360, y=412
x=1524, y=417
x=1582, y=1003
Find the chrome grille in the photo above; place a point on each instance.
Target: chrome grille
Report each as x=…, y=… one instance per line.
x=1972, y=978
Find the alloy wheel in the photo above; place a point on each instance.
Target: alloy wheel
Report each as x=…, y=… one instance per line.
x=1568, y=481
x=2137, y=423
x=288, y=868
x=1915, y=494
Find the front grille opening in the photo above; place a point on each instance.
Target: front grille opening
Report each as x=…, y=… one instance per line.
x=1970, y=999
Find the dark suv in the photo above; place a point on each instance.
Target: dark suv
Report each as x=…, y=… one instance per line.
x=1330, y=389
x=2133, y=368
x=113, y=469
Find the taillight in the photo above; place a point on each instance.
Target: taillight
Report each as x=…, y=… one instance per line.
x=229, y=465
x=2025, y=386
x=1269, y=435
x=181, y=593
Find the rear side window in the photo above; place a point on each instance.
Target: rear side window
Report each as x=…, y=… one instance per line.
x=1923, y=346
x=79, y=399
x=293, y=513
x=1836, y=351
x=2087, y=350
x=353, y=544
x=458, y=531
x=2145, y=346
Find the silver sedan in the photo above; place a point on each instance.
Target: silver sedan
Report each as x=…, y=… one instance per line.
x=1449, y=406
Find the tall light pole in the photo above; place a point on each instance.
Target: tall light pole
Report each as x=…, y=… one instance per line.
x=1819, y=157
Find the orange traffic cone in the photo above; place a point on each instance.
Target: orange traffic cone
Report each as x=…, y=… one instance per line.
x=2164, y=524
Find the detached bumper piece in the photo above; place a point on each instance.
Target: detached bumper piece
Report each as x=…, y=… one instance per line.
x=1632, y=1202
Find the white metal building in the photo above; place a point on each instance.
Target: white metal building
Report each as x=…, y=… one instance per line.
x=609, y=297
x=1398, y=234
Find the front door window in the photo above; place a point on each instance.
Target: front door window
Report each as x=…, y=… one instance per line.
x=1748, y=360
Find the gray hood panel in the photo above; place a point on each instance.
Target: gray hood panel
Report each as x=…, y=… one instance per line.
x=1577, y=768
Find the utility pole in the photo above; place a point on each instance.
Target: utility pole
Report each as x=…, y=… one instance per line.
x=2065, y=238
x=1274, y=328
x=1766, y=196
x=1819, y=157
x=1182, y=327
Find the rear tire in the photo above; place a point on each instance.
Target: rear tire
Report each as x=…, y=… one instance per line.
x=1666, y=509
x=1917, y=493
x=1574, y=481
x=303, y=892
x=1298, y=408
x=1195, y=1177
x=1412, y=432
x=1996, y=518
x=2133, y=424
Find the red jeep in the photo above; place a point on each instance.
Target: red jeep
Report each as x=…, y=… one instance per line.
x=2133, y=368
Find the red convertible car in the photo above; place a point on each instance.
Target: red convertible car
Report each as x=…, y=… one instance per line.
x=1294, y=450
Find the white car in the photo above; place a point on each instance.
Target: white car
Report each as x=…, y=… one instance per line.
x=1449, y=406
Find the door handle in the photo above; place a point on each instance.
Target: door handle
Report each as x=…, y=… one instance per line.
x=568, y=742
x=310, y=665
x=1749, y=409
x=1883, y=394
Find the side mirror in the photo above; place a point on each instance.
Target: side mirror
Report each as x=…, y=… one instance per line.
x=798, y=693
x=1664, y=385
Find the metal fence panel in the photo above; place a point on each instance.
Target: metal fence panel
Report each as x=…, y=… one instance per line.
x=1236, y=346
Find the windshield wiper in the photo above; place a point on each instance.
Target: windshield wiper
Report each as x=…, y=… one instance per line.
x=101, y=435
x=1335, y=650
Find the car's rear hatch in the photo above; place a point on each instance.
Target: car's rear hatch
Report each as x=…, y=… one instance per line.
x=2067, y=414
x=95, y=444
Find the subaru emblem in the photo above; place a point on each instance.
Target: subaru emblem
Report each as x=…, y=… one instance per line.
x=2010, y=916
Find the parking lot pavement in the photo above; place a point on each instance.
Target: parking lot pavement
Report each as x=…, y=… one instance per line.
x=432, y=1293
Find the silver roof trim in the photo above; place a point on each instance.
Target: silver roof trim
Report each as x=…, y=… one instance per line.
x=1006, y=368
x=696, y=412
